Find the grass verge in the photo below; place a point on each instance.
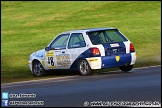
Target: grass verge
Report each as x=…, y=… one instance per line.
x=28, y=26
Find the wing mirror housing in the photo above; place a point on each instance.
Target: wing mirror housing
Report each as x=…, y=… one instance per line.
x=47, y=49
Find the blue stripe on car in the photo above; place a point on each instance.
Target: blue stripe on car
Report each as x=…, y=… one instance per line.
x=109, y=60
x=85, y=54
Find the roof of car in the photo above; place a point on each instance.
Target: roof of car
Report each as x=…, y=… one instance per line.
x=89, y=30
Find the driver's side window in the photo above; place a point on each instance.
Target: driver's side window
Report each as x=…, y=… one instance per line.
x=60, y=42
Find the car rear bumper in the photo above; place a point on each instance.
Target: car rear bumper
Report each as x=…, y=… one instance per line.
x=118, y=60
x=94, y=62
x=112, y=61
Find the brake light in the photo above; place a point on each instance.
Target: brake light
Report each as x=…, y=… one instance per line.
x=132, y=49
x=95, y=51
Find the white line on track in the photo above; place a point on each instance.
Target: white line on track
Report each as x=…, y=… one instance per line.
x=36, y=83
x=147, y=67
x=49, y=79
x=66, y=77
x=138, y=68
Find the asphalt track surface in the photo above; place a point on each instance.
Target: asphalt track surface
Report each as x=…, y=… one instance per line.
x=139, y=85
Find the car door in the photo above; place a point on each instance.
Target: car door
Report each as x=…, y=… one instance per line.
x=76, y=46
x=56, y=57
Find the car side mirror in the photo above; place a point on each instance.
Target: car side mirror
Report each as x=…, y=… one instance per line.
x=47, y=49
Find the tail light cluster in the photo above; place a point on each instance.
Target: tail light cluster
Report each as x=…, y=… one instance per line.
x=95, y=51
x=132, y=49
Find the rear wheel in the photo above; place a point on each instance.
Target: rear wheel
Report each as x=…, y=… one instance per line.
x=84, y=68
x=126, y=68
x=38, y=69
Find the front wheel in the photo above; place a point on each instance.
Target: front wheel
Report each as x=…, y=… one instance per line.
x=84, y=68
x=38, y=69
x=126, y=68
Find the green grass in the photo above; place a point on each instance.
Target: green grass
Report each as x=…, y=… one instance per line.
x=27, y=26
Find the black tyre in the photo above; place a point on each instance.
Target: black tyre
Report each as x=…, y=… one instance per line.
x=126, y=68
x=84, y=68
x=38, y=69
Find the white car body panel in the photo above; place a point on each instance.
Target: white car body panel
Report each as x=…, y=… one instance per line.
x=64, y=58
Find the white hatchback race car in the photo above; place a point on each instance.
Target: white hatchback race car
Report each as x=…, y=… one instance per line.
x=84, y=50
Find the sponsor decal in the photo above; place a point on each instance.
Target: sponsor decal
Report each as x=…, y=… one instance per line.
x=51, y=66
x=43, y=62
x=117, y=58
x=50, y=54
x=92, y=60
x=114, y=45
x=63, y=60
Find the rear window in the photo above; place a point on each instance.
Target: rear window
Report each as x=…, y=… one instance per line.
x=106, y=36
